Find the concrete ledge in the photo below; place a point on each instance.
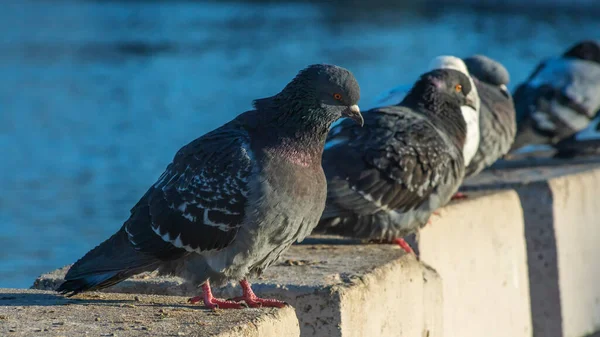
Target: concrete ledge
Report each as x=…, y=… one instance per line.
x=33, y=312
x=343, y=289
x=478, y=248
x=553, y=212
x=518, y=258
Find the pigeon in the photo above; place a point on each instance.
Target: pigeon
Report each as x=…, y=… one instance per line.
x=385, y=180
x=560, y=98
x=497, y=124
x=232, y=201
x=470, y=114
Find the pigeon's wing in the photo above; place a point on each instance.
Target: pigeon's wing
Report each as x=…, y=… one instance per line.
x=393, y=163
x=499, y=134
x=497, y=126
x=198, y=203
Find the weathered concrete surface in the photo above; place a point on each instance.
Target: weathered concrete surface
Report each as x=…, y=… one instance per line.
x=478, y=248
x=576, y=213
x=34, y=312
x=517, y=259
x=342, y=289
x=561, y=216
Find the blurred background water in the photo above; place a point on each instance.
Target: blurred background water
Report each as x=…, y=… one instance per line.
x=96, y=97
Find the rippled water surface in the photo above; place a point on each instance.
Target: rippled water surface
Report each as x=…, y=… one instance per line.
x=96, y=98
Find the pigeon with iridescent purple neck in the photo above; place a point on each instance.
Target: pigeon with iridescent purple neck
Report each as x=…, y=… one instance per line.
x=233, y=200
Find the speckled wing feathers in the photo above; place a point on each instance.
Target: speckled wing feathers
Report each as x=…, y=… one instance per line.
x=198, y=204
x=394, y=163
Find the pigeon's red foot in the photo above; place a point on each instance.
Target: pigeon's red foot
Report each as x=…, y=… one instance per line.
x=213, y=303
x=254, y=301
x=404, y=245
x=459, y=196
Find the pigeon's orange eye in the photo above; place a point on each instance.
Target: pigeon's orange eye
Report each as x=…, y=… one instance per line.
x=337, y=96
x=458, y=88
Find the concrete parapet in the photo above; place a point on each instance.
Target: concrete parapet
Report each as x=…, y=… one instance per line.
x=519, y=257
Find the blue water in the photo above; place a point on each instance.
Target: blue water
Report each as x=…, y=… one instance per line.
x=96, y=98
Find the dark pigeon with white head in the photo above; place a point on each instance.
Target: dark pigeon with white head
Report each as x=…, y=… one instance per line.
x=386, y=179
x=233, y=200
x=470, y=113
x=497, y=124
x=560, y=98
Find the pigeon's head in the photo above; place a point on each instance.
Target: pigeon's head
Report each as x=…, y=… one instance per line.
x=325, y=89
x=588, y=50
x=487, y=70
x=446, y=84
x=448, y=62
x=455, y=63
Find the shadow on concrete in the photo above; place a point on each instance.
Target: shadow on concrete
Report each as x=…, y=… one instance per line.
x=45, y=299
x=49, y=299
x=544, y=291
x=12, y=299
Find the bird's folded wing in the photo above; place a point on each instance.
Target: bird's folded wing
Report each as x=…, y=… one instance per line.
x=500, y=104
x=394, y=163
x=198, y=204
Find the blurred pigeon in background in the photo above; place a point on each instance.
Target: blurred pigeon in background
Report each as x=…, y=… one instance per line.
x=385, y=180
x=497, y=125
x=559, y=98
x=233, y=200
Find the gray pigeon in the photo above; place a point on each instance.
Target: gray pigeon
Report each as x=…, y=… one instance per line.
x=560, y=98
x=386, y=179
x=497, y=125
x=233, y=200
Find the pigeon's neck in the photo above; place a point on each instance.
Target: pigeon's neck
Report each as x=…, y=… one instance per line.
x=443, y=110
x=300, y=133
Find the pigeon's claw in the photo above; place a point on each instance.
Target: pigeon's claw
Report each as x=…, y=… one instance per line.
x=404, y=245
x=254, y=301
x=459, y=196
x=212, y=302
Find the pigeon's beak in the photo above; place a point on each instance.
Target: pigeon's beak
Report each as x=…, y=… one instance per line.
x=353, y=112
x=470, y=103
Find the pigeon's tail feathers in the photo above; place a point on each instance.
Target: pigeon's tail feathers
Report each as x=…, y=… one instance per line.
x=97, y=281
x=109, y=263
x=86, y=283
